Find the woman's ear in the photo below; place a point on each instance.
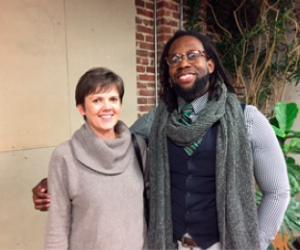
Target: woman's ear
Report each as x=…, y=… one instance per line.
x=81, y=109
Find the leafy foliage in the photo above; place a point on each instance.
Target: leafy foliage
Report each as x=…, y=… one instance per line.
x=282, y=122
x=259, y=41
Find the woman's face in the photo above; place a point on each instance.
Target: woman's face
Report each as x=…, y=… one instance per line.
x=102, y=110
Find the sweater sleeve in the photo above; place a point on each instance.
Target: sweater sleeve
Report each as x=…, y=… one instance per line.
x=270, y=171
x=59, y=216
x=143, y=125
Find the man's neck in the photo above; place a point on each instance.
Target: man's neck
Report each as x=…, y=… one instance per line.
x=198, y=103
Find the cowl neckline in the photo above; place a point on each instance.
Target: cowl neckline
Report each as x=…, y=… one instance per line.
x=106, y=157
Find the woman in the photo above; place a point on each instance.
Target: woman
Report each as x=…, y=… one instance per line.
x=95, y=182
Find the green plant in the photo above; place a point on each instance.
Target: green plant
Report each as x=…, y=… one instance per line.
x=289, y=139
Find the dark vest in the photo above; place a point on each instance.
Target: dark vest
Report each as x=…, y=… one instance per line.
x=193, y=191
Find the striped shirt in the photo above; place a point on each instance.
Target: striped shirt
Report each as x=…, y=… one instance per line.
x=270, y=169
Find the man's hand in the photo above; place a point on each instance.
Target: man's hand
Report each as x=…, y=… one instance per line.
x=40, y=196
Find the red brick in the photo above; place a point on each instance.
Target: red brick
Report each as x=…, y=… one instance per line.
x=146, y=92
x=139, y=3
x=150, y=5
x=161, y=4
x=140, y=69
x=168, y=21
x=142, y=53
x=145, y=108
x=147, y=22
x=146, y=77
x=142, y=61
x=149, y=38
x=151, y=100
x=150, y=69
x=151, y=54
x=145, y=53
x=143, y=29
x=165, y=29
x=176, y=15
x=151, y=84
x=167, y=5
x=142, y=100
x=139, y=37
x=163, y=13
x=144, y=12
x=163, y=38
x=141, y=85
x=138, y=20
x=147, y=46
x=151, y=62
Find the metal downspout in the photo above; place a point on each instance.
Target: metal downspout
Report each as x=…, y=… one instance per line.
x=155, y=53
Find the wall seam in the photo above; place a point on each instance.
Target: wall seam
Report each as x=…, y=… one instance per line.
x=67, y=67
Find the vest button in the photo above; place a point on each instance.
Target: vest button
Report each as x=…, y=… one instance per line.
x=187, y=215
x=189, y=165
x=188, y=181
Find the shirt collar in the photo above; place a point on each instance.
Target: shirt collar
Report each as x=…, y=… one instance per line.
x=198, y=104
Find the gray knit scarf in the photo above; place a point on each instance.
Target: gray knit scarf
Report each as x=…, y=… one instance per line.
x=235, y=185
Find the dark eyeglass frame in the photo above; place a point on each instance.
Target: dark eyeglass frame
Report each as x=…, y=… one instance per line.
x=176, y=59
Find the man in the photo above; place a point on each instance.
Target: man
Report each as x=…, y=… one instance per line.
x=204, y=153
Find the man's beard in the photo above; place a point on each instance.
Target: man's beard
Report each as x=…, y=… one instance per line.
x=197, y=90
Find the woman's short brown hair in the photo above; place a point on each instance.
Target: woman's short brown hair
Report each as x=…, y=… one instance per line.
x=97, y=79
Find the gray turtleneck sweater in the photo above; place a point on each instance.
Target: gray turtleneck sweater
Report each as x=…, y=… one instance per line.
x=96, y=189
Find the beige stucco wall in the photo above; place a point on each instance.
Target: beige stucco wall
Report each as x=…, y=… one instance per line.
x=44, y=48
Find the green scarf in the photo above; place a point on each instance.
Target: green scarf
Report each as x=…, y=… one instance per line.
x=235, y=185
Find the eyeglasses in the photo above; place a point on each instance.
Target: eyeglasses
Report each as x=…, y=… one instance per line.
x=191, y=56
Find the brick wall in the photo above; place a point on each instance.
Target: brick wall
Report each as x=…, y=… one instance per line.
x=168, y=15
